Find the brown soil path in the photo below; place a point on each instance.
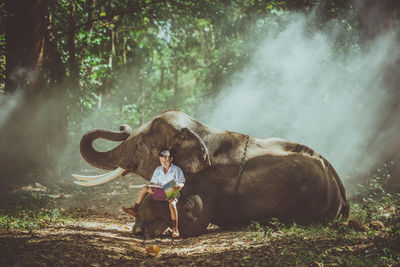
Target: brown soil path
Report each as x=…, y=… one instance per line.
x=107, y=241
x=100, y=235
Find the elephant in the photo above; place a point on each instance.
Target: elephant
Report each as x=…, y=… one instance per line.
x=239, y=177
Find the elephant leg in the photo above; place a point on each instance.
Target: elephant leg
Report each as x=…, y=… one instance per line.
x=137, y=228
x=194, y=215
x=154, y=228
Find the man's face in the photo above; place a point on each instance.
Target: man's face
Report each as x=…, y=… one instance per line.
x=166, y=162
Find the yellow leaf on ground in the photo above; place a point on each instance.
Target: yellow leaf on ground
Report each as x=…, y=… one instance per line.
x=153, y=250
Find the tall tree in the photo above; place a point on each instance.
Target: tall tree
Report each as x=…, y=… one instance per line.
x=376, y=20
x=22, y=146
x=25, y=35
x=73, y=63
x=374, y=17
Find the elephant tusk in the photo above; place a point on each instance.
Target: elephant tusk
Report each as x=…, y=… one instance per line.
x=99, y=179
x=90, y=178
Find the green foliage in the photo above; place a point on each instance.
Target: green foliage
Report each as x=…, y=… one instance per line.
x=133, y=65
x=373, y=187
x=29, y=214
x=144, y=60
x=31, y=219
x=372, y=201
x=122, y=62
x=136, y=59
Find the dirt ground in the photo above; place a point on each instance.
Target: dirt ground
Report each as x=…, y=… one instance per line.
x=100, y=235
x=103, y=240
x=106, y=241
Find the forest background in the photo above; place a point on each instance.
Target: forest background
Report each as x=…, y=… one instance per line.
x=322, y=73
x=70, y=66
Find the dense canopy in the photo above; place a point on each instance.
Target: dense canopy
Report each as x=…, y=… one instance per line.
x=69, y=66
x=325, y=73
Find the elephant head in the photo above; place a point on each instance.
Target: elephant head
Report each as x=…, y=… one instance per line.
x=138, y=152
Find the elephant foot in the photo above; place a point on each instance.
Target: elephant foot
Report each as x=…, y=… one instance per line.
x=137, y=228
x=137, y=231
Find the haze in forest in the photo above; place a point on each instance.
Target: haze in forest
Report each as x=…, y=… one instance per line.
x=303, y=88
x=299, y=86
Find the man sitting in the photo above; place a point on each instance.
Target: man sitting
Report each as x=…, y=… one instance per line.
x=162, y=175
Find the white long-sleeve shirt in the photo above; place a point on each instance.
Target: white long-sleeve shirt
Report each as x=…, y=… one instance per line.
x=174, y=172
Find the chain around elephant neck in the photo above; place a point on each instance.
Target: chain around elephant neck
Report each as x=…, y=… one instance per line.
x=242, y=162
x=241, y=169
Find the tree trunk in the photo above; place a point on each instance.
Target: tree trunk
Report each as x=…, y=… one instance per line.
x=23, y=146
x=108, y=83
x=89, y=24
x=112, y=48
x=57, y=69
x=175, y=100
x=375, y=20
x=73, y=65
x=161, y=86
x=123, y=50
x=57, y=100
x=25, y=35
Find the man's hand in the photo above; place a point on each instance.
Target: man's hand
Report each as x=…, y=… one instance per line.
x=151, y=192
x=178, y=187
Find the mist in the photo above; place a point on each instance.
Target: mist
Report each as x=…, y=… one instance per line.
x=299, y=85
x=302, y=87
x=7, y=106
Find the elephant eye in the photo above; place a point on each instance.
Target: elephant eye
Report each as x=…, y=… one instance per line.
x=139, y=146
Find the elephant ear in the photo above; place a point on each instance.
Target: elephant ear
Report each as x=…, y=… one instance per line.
x=190, y=153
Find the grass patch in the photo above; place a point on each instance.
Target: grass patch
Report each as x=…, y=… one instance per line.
x=370, y=236
x=30, y=212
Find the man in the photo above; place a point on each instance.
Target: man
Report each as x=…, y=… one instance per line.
x=162, y=175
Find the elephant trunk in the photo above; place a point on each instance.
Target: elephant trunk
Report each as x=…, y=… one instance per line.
x=108, y=160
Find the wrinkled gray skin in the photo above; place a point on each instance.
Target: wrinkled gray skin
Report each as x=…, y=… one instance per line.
x=281, y=179
x=154, y=216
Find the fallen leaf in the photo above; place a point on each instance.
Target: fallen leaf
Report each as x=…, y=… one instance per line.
x=153, y=250
x=377, y=225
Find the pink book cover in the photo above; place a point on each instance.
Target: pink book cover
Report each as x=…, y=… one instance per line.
x=164, y=192
x=159, y=193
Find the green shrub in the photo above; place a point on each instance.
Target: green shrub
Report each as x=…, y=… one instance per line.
x=29, y=212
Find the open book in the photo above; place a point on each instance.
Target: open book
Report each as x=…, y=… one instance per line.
x=166, y=191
